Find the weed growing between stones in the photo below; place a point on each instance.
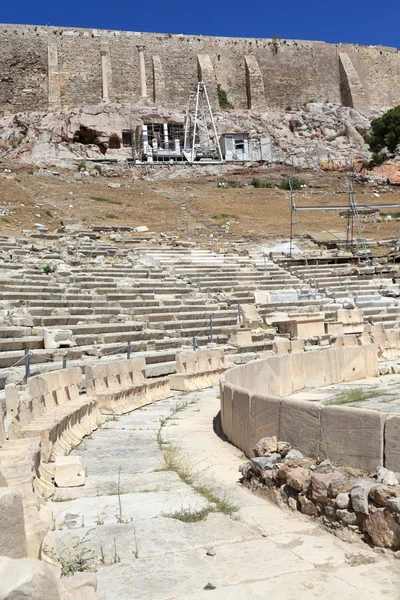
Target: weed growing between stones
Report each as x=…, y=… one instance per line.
x=177, y=462
x=209, y=586
x=356, y=395
x=73, y=560
x=188, y=515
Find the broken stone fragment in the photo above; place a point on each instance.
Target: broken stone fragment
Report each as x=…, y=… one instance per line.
x=386, y=476
x=261, y=463
x=307, y=507
x=381, y=493
x=383, y=529
x=359, y=495
x=393, y=504
x=347, y=516
x=322, y=483
x=266, y=446
x=297, y=478
x=283, y=448
x=293, y=455
x=69, y=471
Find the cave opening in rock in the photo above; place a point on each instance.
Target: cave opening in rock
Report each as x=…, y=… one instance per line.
x=114, y=143
x=86, y=135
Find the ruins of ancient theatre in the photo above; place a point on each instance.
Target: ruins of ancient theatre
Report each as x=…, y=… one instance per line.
x=199, y=382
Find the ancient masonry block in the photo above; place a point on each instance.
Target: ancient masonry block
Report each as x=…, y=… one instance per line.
x=254, y=84
x=351, y=88
x=160, y=95
x=54, y=89
x=106, y=71
x=143, y=84
x=207, y=75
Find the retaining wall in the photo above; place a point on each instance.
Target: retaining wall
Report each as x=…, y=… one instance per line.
x=253, y=405
x=45, y=68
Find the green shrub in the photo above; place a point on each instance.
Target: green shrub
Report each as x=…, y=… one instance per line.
x=385, y=132
x=81, y=165
x=223, y=98
x=261, y=184
x=296, y=184
x=61, y=230
x=111, y=216
x=49, y=214
x=48, y=269
x=98, y=169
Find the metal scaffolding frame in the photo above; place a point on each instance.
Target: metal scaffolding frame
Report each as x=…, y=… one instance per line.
x=353, y=224
x=203, y=115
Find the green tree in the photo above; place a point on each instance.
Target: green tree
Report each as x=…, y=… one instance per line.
x=385, y=132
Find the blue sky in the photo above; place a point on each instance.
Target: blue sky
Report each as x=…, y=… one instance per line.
x=357, y=21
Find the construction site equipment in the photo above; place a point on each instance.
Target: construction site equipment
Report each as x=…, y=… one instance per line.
x=201, y=143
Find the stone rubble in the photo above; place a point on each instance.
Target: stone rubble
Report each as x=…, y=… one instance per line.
x=346, y=501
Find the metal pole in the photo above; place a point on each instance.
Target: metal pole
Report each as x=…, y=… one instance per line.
x=64, y=361
x=213, y=124
x=166, y=225
x=195, y=123
x=211, y=329
x=238, y=310
x=187, y=230
x=128, y=352
x=194, y=343
x=27, y=365
x=212, y=242
x=265, y=262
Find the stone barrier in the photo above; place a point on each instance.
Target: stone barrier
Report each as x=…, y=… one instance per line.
x=52, y=408
x=253, y=405
x=197, y=370
x=121, y=386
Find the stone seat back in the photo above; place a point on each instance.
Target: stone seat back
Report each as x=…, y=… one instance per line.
x=122, y=386
x=50, y=406
x=196, y=370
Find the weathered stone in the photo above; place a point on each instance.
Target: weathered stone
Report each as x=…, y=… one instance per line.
x=266, y=446
x=393, y=504
x=386, y=476
x=27, y=578
x=293, y=455
x=12, y=527
x=321, y=483
x=347, y=516
x=297, y=478
x=283, y=448
x=359, y=495
x=306, y=506
x=262, y=463
x=81, y=586
x=383, y=529
x=343, y=500
x=381, y=494
x=292, y=503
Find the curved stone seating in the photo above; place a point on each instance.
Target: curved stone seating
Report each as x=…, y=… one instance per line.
x=51, y=407
x=253, y=405
x=120, y=387
x=197, y=370
x=19, y=466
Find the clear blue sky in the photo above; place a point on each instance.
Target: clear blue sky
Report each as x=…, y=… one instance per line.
x=357, y=21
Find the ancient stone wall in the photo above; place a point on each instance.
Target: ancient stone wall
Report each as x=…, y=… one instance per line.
x=50, y=67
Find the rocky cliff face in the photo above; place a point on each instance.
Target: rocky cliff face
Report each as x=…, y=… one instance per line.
x=318, y=135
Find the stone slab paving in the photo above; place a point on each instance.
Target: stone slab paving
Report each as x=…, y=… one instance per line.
x=260, y=551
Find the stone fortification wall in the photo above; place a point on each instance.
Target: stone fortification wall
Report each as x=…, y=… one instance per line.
x=253, y=405
x=50, y=67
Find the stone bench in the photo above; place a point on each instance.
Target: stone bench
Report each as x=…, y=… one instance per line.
x=197, y=370
x=51, y=408
x=120, y=387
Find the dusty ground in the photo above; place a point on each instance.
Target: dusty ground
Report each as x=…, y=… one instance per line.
x=36, y=196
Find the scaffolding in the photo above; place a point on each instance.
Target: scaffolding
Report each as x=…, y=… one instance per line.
x=355, y=242
x=201, y=144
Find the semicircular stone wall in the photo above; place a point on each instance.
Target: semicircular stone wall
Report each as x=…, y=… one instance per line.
x=254, y=404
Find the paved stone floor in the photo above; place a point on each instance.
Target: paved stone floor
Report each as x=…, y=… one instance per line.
x=258, y=552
